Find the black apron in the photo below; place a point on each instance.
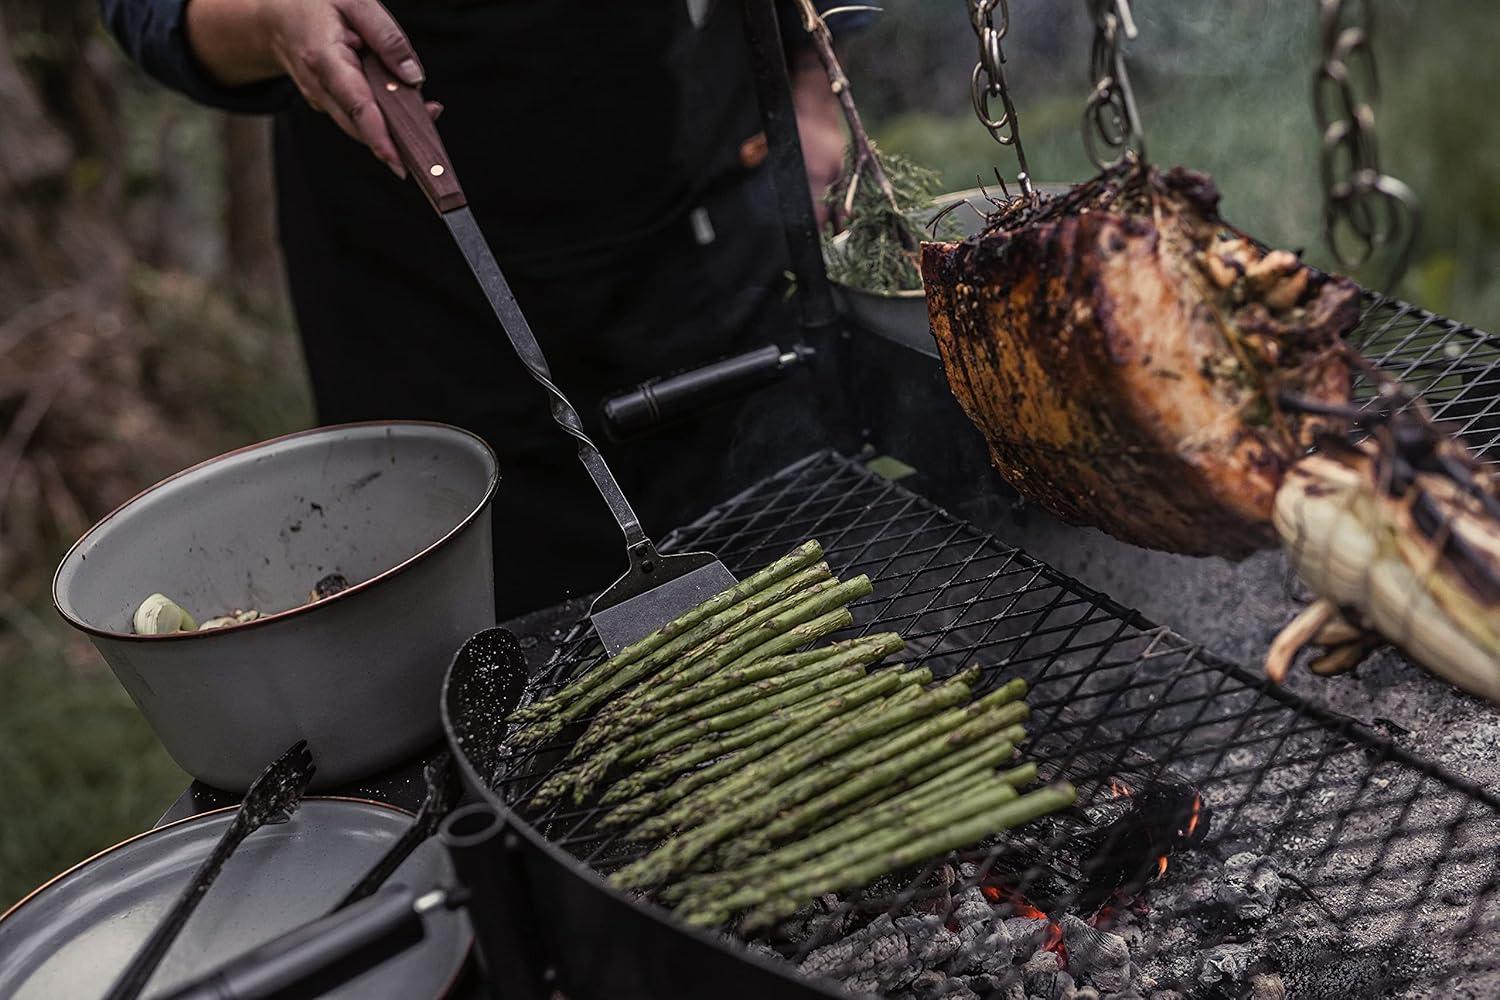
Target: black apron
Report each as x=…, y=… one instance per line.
x=584, y=134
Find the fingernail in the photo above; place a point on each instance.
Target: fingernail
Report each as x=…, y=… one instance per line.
x=396, y=168
x=410, y=71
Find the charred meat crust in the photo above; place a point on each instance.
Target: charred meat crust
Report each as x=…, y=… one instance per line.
x=1123, y=360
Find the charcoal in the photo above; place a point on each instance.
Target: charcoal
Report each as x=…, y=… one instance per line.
x=971, y=905
x=832, y=959
x=1250, y=888
x=1224, y=963
x=763, y=950
x=931, y=942
x=994, y=952
x=983, y=983
x=1267, y=986
x=929, y=984
x=1044, y=978
x=1086, y=993
x=857, y=953
x=983, y=943
x=1096, y=956
x=1026, y=935
x=822, y=920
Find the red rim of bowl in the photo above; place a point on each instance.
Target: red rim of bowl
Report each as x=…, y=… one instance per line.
x=351, y=590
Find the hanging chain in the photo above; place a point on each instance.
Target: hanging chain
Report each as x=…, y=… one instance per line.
x=988, y=82
x=1111, y=125
x=1373, y=208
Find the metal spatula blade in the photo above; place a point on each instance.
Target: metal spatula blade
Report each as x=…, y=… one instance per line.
x=657, y=590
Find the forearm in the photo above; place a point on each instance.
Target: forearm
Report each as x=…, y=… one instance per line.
x=230, y=41
x=154, y=34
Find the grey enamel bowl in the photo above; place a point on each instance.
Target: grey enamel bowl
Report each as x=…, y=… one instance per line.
x=401, y=509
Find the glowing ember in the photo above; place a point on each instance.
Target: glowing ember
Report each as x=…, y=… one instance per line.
x=1021, y=907
x=1161, y=866
x=1195, y=815
x=1119, y=788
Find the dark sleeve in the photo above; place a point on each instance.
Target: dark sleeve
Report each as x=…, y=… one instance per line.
x=152, y=35
x=841, y=24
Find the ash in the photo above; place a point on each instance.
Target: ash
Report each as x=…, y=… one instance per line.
x=1210, y=929
x=967, y=943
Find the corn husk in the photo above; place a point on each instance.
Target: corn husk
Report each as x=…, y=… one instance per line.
x=1419, y=566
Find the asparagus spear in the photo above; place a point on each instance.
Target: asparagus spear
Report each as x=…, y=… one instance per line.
x=766, y=606
x=717, y=745
x=929, y=795
x=770, y=638
x=714, y=905
x=928, y=834
x=772, y=753
x=676, y=854
x=796, y=761
x=803, y=721
x=890, y=766
x=668, y=717
x=802, y=556
x=788, y=689
x=607, y=722
x=723, y=684
x=893, y=772
x=800, y=747
x=728, y=690
x=942, y=773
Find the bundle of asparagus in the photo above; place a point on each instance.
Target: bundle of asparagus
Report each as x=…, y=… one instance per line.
x=776, y=775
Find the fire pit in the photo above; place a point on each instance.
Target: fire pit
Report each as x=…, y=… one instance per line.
x=1232, y=839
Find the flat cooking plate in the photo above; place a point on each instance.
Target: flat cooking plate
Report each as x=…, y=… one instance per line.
x=73, y=936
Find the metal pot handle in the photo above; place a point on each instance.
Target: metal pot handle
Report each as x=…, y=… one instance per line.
x=663, y=401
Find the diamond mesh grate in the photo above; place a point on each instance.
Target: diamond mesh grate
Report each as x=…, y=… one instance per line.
x=1390, y=861
x=1452, y=366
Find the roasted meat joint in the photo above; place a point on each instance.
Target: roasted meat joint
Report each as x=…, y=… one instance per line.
x=1124, y=352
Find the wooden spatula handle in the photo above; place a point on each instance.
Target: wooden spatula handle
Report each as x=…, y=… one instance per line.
x=416, y=137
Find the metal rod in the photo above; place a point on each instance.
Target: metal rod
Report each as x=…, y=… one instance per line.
x=788, y=169
x=483, y=852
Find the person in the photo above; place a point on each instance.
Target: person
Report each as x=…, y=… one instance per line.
x=613, y=156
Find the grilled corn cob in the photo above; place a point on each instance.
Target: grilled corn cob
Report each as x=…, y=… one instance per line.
x=1400, y=539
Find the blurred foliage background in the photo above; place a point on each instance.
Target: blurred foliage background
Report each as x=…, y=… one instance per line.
x=143, y=326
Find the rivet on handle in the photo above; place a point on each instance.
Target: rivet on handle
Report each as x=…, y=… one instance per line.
x=436, y=170
x=392, y=87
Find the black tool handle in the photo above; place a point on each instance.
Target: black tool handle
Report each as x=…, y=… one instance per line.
x=443, y=790
x=310, y=960
x=677, y=397
x=144, y=964
x=276, y=790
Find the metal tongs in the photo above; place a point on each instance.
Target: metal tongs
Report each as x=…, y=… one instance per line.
x=656, y=588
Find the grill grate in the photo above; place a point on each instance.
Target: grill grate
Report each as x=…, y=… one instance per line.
x=1390, y=861
x=1451, y=365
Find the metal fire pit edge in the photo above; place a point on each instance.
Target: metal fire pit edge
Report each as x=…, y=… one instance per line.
x=598, y=941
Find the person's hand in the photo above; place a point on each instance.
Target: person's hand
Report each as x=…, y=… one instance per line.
x=316, y=43
x=820, y=124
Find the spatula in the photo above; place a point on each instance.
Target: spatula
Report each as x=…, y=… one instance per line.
x=656, y=588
